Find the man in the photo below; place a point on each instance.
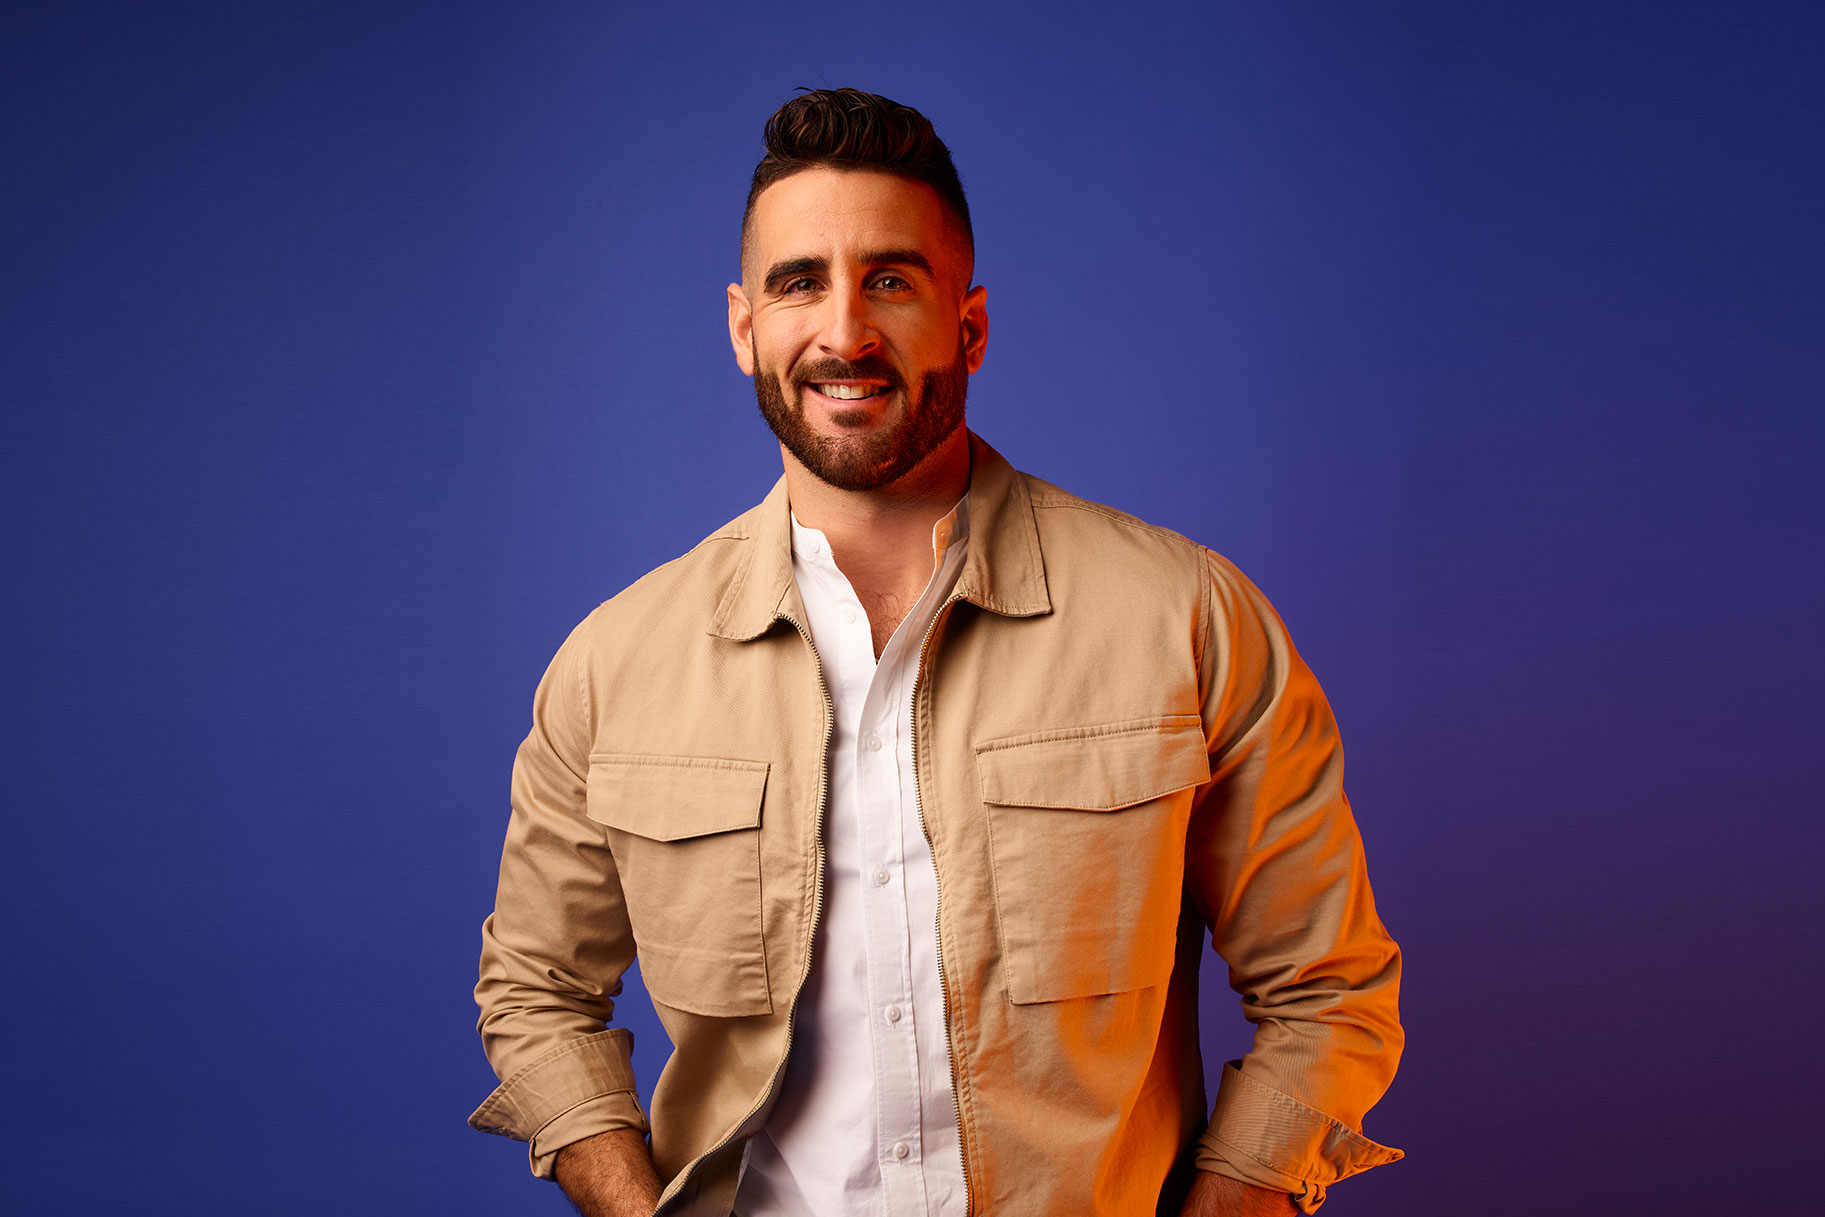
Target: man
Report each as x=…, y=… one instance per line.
x=917, y=789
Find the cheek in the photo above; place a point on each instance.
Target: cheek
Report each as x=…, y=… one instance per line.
x=938, y=344
x=777, y=347
x=777, y=361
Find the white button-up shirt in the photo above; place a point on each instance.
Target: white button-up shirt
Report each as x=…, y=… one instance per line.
x=866, y=1120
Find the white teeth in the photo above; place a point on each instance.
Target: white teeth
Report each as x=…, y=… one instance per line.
x=848, y=392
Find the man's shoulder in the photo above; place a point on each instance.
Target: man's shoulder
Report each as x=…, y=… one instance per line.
x=694, y=581
x=1074, y=530
x=1069, y=519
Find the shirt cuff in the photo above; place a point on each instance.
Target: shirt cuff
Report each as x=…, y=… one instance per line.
x=586, y=1119
x=1266, y=1137
x=575, y=1090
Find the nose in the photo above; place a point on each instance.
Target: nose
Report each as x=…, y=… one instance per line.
x=848, y=330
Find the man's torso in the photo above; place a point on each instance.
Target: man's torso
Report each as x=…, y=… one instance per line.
x=1059, y=735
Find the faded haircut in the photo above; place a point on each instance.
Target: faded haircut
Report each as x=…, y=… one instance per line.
x=850, y=129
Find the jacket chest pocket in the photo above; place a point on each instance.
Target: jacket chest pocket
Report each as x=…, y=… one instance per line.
x=1087, y=837
x=685, y=833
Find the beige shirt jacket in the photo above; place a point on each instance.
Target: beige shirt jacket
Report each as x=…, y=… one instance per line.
x=1118, y=755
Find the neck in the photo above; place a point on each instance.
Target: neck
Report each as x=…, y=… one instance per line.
x=882, y=539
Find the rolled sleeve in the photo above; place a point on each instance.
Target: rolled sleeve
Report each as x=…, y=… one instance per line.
x=1276, y=865
x=558, y=942
x=573, y=1091
x=1262, y=1136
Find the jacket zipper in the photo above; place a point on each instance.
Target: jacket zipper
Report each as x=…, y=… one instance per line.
x=817, y=909
x=969, y=1199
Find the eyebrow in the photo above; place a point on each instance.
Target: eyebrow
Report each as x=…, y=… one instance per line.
x=792, y=268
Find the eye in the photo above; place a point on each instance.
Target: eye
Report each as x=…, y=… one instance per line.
x=891, y=283
x=804, y=283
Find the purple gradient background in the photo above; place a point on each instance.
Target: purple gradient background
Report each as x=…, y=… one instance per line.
x=353, y=353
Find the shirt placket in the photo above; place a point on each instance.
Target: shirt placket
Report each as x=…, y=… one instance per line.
x=942, y=1170
x=880, y=869
x=891, y=1015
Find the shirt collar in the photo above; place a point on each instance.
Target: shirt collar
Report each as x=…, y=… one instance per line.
x=1003, y=571
x=953, y=529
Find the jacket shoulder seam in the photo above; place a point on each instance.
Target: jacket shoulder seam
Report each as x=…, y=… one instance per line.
x=1062, y=499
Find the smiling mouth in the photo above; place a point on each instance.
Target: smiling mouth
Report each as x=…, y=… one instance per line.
x=844, y=392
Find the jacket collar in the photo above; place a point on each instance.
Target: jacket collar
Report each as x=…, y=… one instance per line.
x=1004, y=572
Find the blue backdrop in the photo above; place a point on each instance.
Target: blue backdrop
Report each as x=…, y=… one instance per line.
x=353, y=353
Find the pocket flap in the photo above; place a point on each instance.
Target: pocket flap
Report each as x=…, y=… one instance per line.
x=1101, y=768
x=669, y=798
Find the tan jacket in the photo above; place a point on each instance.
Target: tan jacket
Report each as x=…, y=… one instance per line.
x=1116, y=748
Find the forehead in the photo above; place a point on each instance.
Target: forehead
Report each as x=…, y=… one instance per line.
x=832, y=213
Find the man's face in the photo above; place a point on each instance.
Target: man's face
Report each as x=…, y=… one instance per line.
x=853, y=319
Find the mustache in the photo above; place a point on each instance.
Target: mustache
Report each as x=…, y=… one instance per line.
x=871, y=367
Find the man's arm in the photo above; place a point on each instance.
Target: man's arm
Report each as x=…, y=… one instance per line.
x=558, y=942
x=609, y=1175
x=1214, y=1195
x=1275, y=863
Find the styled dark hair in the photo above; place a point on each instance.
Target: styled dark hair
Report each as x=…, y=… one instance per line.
x=850, y=129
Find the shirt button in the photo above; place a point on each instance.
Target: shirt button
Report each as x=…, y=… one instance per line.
x=881, y=877
x=874, y=742
x=901, y=1149
x=893, y=1016
x=848, y=614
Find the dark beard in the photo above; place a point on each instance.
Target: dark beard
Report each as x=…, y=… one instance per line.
x=866, y=462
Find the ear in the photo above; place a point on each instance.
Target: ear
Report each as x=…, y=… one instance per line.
x=975, y=320
x=741, y=329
